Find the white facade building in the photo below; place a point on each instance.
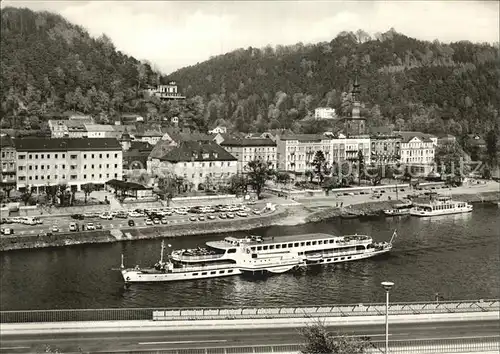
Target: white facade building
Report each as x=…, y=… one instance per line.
x=246, y=150
x=325, y=113
x=417, y=151
x=42, y=162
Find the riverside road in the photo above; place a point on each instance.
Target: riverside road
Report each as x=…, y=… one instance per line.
x=124, y=341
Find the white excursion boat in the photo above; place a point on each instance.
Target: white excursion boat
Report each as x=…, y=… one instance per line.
x=233, y=256
x=441, y=205
x=399, y=209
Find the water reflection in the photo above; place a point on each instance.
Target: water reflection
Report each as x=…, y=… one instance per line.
x=455, y=255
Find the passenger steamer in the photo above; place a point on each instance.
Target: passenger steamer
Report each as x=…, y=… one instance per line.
x=442, y=205
x=233, y=256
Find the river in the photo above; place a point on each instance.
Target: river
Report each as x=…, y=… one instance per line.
x=455, y=255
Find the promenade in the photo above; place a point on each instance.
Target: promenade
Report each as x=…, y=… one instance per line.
x=447, y=327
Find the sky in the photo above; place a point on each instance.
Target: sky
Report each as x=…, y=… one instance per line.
x=172, y=34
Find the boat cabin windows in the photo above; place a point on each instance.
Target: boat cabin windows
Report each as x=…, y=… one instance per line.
x=359, y=248
x=253, y=249
x=230, y=271
x=254, y=255
x=195, y=274
x=231, y=250
x=259, y=248
x=332, y=241
x=296, y=244
x=283, y=245
x=204, y=273
x=278, y=246
x=308, y=243
x=222, y=271
x=320, y=242
x=290, y=245
x=271, y=247
x=302, y=244
x=213, y=272
x=264, y=248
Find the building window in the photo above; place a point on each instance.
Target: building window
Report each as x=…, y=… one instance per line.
x=107, y=165
x=36, y=156
x=30, y=156
x=20, y=168
x=100, y=166
x=63, y=156
x=22, y=157
x=107, y=156
x=116, y=175
x=92, y=155
x=84, y=156
x=41, y=156
x=30, y=178
x=63, y=167
x=73, y=157
x=92, y=176
x=22, y=178
x=116, y=165
x=56, y=156
x=42, y=167
x=92, y=166
x=116, y=156
x=84, y=176
x=100, y=156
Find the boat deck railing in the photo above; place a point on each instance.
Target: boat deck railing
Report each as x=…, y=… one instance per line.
x=172, y=314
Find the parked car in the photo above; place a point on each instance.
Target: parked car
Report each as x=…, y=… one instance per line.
x=73, y=227
x=7, y=231
x=211, y=217
x=131, y=223
x=156, y=221
x=201, y=218
x=243, y=214
x=90, y=226
x=223, y=216
x=148, y=221
x=106, y=216
x=98, y=226
x=192, y=218
x=164, y=221
x=230, y=215
x=55, y=228
x=122, y=215
x=257, y=212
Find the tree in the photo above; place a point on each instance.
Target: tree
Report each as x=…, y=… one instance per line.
x=309, y=174
x=258, y=173
x=491, y=146
x=319, y=341
x=320, y=165
x=361, y=166
x=374, y=174
x=283, y=178
x=167, y=187
x=26, y=196
x=450, y=160
x=87, y=189
x=238, y=184
x=51, y=192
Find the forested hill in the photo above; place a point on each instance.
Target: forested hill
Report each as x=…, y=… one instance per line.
x=50, y=65
x=413, y=84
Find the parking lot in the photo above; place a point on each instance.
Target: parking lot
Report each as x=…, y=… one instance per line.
x=138, y=218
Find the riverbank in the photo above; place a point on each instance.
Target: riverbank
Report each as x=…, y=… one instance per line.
x=18, y=242
x=292, y=214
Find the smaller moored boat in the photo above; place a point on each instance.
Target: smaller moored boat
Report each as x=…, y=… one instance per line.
x=441, y=205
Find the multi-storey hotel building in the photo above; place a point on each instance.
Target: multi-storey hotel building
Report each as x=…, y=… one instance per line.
x=246, y=150
x=42, y=162
x=196, y=162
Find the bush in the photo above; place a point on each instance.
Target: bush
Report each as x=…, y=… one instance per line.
x=319, y=341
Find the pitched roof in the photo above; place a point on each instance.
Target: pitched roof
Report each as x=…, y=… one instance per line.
x=99, y=127
x=152, y=133
x=304, y=137
x=179, y=136
x=67, y=144
x=248, y=142
x=407, y=136
x=197, y=151
x=6, y=141
x=141, y=145
x=121, y=128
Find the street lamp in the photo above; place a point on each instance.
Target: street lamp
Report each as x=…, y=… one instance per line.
x=387, y=285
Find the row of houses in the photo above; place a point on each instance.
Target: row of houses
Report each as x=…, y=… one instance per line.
x=197, y=157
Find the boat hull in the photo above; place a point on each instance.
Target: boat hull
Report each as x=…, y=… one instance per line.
x=396, y=212
x=138, y=276
x=423, y=213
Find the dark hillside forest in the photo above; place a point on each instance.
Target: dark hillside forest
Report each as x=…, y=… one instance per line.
x=49, y=66
x=415, y=85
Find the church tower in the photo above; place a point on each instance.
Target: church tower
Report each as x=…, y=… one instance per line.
x=125, y=140
x=355, y=124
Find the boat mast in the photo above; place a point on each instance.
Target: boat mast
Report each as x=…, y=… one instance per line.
x=162, y=248
x=122, y=265
x=393, y=237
